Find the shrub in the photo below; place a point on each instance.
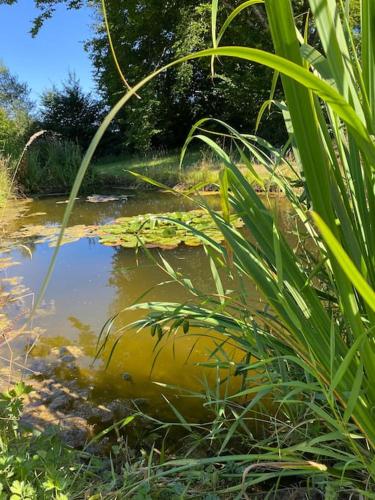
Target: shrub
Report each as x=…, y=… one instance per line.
x=51, y=166
x=5, y=179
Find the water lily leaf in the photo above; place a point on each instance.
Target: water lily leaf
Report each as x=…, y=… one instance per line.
x=152, y=230
x=169, y=232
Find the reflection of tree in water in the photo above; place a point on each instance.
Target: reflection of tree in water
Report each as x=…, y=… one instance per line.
x=133, y=274
x=102, y=213
x=83, y=213
x=87, y=338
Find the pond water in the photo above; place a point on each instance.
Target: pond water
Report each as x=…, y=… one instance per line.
x=92, y=282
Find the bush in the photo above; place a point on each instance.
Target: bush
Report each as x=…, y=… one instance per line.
x=51, y=167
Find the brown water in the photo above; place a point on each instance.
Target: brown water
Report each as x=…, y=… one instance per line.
x=92, y=282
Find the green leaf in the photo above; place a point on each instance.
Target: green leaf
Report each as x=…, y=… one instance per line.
x=235, y=12
x=354, y=393
x=344, y=366
x=346, y=264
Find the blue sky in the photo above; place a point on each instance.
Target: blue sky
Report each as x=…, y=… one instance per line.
x=57, y=49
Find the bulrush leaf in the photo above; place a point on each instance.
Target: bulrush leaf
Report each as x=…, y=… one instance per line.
x=346, y=263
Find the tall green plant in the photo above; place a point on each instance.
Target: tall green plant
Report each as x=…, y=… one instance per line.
x=321, y=318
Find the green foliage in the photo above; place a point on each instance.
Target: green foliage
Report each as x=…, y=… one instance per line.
x=148, y=35
x=70, y=112
x=15, y=113
x=51, y=166
x=9, y=134
x=32, y=466
x=5, y=182
x=14, y=95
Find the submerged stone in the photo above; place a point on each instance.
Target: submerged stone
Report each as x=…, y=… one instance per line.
x=127, y=377
x=99, y=198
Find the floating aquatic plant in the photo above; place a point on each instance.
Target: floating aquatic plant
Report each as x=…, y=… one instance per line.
x=165, y=231
x=48, y=234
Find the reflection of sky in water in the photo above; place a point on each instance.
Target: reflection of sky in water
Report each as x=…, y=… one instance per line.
x=92, y=282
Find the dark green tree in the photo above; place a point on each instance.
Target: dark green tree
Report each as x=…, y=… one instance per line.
x=146, y=35
x=71, y=112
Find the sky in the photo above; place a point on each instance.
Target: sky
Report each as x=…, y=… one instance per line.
x=56, y=50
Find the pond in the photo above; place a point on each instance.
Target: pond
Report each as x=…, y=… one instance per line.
x=92, y=282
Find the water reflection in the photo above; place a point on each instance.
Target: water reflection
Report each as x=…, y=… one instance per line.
x=92, y=282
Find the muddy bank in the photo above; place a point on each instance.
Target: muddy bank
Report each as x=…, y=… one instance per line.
x=60, y=400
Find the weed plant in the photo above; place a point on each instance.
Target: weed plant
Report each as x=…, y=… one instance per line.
x=5, y=181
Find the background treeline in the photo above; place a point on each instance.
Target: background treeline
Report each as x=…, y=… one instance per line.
x=146, y=35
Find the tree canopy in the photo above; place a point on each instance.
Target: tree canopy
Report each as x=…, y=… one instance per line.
x=71, y=112
x=147, y=34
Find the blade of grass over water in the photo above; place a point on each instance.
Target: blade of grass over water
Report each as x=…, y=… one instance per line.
x=309, y=347
x=338, y=103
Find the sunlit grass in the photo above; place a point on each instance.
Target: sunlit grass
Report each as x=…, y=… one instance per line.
x=200, y=168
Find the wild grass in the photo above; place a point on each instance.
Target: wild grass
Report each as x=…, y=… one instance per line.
x=51, y=167
x=5, y=179
x=313, y=344
x=201, y=168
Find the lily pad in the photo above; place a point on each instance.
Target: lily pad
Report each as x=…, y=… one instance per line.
x=49, y=234
x=163, y=231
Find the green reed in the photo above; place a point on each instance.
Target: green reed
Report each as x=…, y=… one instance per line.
x=314, y=344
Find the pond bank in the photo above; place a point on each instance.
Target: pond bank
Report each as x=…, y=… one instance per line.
x=200, y=170
x=59, y=399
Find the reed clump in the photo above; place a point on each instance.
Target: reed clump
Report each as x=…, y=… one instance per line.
x=313, y=342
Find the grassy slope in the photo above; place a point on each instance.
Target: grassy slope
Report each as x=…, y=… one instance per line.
x=198, y=168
